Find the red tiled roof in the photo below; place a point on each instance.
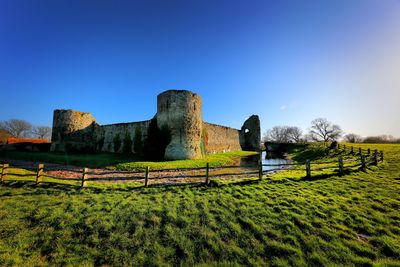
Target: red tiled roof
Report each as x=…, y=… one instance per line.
x=16, y=140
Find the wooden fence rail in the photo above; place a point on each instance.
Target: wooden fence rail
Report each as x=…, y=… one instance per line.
x=363, y=161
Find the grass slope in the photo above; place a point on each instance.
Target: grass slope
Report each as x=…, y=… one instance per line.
x=123, y=161
x=352, y=220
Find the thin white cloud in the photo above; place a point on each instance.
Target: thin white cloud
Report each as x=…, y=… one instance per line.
x=283, y=107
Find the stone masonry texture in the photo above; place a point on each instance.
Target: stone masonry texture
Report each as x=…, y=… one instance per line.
x=179, y=114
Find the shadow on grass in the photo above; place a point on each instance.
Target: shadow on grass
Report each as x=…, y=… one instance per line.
x=53, y=188
x=218, y=183
x=317, y=177
x=311, y=154
x=47, y=188
x=91, y=160
x=326, y=175
x=36, y=189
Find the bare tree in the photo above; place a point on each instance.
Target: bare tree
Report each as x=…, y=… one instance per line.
x=277, y=134
x=353, y=138
x=323, y=130
x=43, y=132
x=16, y=128
x=294, y=134
x=283, y=134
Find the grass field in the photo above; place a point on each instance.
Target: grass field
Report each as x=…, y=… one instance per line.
x=285, y=220
x=123, y=161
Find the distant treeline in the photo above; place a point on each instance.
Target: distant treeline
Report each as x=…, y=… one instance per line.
x=381, y=139
x=22, y=129
x=321, y=130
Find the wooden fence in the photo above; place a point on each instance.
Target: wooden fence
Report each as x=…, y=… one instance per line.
x=361, y=159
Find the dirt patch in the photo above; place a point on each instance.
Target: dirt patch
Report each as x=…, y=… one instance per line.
x=155, y=176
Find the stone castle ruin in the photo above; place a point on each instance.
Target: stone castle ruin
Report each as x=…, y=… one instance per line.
x=177, y=131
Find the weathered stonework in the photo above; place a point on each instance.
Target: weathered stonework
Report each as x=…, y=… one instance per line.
x=219, y=138
x=178, y=120
x=72, y=128
x=131, y=135
x=250, y=138
x=180, y=112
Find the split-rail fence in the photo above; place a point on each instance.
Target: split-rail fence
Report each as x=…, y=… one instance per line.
x=358, y=158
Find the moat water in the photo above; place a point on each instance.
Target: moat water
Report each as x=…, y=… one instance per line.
x=250, y=161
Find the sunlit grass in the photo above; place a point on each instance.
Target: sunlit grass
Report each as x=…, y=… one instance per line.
x=124, y=161
x=350, y=220
x=214, y=160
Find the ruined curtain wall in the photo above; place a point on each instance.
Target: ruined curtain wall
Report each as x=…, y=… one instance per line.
x=219, y=138
x=122, y=137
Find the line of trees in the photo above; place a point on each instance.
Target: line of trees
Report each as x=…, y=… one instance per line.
x=382, y=139
x=21, y=129
x=321, y=130
x=284, y=134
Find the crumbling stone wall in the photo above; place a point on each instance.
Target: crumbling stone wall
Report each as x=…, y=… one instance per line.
x=176, y=132
x=219, y=138
x=77, y=131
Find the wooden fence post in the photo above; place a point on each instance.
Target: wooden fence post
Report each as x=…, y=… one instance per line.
x=84, y=175
x=351, y=150
x=344, y=148
x=308, y=169
x=359, y=151
x=4, y=172
x=381, y=155
x=369, y=152
x=375, y=157
x=39, y=174
x=340, y=165
x=146, y=177
x=363, y=166
x=338, y=146
x=207, y=169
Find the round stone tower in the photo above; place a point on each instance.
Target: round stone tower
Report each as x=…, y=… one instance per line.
x=179, y=111
x=66, y=122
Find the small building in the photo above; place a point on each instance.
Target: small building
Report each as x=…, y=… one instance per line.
x=26, y=144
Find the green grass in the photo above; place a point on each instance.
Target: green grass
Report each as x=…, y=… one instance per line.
x=123, y=161
x=352, y=220
x=214, y=160
x=320, y=155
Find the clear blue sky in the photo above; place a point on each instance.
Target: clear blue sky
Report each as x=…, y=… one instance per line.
x=287, y=61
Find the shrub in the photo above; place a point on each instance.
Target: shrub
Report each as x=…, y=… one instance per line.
x=100, y=143
x=138, y=143
x=127, y=147
x=117, y=142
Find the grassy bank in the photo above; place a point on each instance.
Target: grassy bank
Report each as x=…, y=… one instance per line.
x=215, y=160
x=123, y=161
x=351, y=220
x=321, y=156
